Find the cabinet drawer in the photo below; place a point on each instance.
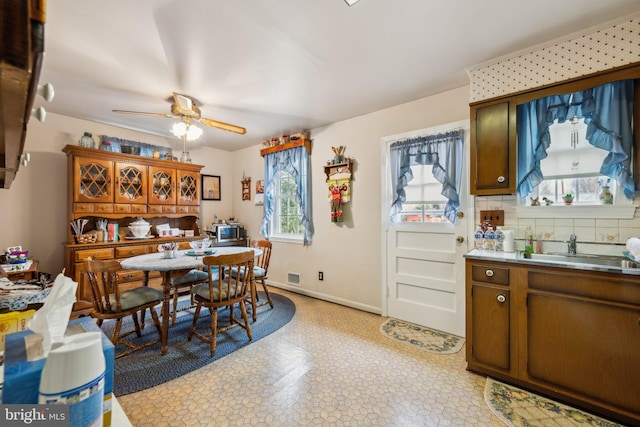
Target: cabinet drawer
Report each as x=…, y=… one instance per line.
x=155, y=208
x=121, y=208
x=139, y=208
x=83, y=207
x=129, y=251
x=101, y=253
x=103, y=207
x=130, y=276
x=169, y=209
x=194, y=209
x=183, y=209
x=183, y=245
x=490, y=274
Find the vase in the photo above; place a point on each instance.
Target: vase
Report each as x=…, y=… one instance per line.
x=605, y=196
x=87, y=141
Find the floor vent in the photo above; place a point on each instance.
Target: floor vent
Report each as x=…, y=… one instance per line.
x=293, y=279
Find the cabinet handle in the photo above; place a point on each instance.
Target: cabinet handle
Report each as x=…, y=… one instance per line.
x=501, y=179
x=488, y=272
x=95, y=256
x=132, y=252
x=501, y=298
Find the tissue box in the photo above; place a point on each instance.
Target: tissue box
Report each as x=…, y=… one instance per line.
x=22, y=378
x=13, y=321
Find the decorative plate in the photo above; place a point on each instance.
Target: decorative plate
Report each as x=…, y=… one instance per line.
x=205, y=252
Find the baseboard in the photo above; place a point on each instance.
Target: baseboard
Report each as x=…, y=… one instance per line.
x=325, y=297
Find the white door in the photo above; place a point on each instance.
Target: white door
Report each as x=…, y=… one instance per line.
x=425, y=271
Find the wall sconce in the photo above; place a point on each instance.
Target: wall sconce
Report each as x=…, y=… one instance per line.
x=39, y=113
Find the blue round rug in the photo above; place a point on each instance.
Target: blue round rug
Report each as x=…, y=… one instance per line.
x=147, y=368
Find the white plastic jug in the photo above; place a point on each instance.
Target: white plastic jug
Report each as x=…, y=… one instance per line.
x=74, y=375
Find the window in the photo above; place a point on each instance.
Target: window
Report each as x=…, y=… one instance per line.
x=287, y=216
x=424, y=202
x=287, y=196
x=572, y=166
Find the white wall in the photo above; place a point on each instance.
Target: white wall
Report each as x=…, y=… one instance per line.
x=33, y=211
x=349, y=254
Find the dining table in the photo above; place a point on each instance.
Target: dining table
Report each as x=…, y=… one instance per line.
x=183, y=261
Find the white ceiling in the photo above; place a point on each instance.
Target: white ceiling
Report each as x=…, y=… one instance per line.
x=279, y=66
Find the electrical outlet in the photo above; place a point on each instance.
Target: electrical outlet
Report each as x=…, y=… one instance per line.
x=320, y=275
x=496, y=216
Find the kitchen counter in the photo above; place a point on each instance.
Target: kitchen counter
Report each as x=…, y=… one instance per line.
x=625, y=266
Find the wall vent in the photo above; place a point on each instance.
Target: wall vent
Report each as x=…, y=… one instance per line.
x=293, y=279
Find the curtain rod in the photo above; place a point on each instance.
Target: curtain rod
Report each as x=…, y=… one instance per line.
x=439, y=134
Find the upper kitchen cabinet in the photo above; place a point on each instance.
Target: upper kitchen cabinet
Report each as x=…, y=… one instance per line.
x=162, y=185
x=493, y=148
x=494, y=137
x=21, y=53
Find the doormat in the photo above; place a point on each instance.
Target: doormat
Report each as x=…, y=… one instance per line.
x=420, y=337
x=517, y=407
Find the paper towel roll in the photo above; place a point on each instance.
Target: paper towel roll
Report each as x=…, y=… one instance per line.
x=509, y=241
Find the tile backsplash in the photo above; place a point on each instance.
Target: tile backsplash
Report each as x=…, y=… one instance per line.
x=600, y=236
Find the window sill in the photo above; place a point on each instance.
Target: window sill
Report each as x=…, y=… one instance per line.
x=577, y=211
x=281, y=238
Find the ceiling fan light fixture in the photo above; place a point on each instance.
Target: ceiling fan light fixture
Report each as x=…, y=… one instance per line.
x=193, y=132
x=179, y=129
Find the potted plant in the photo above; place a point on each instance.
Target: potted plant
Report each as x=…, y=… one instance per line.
x=568, y=198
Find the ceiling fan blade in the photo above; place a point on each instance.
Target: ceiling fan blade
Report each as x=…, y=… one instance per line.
x=169, y=116
x=223, y=126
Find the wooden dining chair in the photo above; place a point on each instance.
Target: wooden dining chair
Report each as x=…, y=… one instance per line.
x=182, y=284
x=260, y=275
x=223, y=290
x=109, y=302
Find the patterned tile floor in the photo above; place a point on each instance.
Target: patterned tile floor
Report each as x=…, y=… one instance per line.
x=330, y=366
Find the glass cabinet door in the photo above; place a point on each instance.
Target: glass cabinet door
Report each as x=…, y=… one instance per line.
x=162, y=186
x=131, y=183
x=188, y=188
x=93, y=180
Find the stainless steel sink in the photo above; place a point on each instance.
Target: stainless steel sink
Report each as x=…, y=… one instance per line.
x=589, y=259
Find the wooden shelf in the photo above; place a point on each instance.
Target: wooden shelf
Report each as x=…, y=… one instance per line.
x=306, y=143
x=21, y=53
x=344, y=167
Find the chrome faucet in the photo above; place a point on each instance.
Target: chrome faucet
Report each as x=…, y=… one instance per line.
x=572, y=244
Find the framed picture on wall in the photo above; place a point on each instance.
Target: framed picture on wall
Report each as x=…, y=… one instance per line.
x=210, y=187
x=259, y=200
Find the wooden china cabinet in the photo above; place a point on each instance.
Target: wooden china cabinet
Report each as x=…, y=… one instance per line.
x=120, y=188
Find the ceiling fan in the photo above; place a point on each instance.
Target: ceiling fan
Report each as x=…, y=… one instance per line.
x=185, y=108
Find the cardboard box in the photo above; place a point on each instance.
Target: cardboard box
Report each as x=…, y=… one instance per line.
x=22, y=377
x=14, y=321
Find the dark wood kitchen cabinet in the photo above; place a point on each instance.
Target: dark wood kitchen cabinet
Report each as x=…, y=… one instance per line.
x=572, y=335
x=489, y=309
x=493, y=148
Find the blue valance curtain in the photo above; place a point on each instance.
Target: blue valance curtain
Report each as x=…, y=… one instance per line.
x=295, y=161
x=608, y=112
x=444, y=151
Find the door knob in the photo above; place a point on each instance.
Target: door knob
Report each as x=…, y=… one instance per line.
x=459, y=239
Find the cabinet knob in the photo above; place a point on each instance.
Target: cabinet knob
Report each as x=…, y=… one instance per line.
x=488, y=272
x=460, y=215
x=501, y=298
x=459, y=239
x=132, y=252
x=501, y=179
x=95, y=256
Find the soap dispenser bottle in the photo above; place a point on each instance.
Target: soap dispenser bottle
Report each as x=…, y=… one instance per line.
x=528, y=240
